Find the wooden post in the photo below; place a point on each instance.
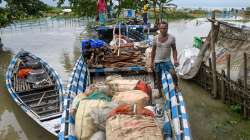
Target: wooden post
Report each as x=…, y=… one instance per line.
x=209, y=76
x=228, y=66
x=245, y=73
x=223, y=96
x=245, y=87
x=214, y=90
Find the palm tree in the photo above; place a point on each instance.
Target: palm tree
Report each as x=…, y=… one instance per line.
x=164, y=4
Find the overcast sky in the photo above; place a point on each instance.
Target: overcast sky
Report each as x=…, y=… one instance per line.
x=212, y=3
x=195, y=3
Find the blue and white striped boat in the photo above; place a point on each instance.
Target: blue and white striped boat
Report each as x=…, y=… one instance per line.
x=176, y=124
x=41, y=100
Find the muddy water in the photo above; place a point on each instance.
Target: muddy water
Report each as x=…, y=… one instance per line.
x=55, y=42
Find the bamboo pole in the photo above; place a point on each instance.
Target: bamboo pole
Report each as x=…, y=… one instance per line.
x=245, y=87
x=223, y=96
x=228, y=66
x=214, y=90
x=209, y=75
x=245, y=72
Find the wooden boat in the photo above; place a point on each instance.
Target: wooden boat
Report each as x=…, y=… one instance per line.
x=39, y=93
x=174, y=114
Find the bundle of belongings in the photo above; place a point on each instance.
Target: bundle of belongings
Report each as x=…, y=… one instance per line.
x=120, y=52
x=115, y=109
x=32, y=71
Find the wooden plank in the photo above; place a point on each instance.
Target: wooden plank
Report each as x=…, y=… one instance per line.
x=36, y=93
x=48, y=111
x=45, y=105
x=15, y=82
x=35, y=100
x=36, y=89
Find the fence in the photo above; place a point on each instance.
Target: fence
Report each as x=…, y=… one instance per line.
x=229, y=91
x=44, y=24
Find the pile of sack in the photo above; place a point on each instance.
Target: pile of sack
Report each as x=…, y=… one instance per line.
x=115, y=109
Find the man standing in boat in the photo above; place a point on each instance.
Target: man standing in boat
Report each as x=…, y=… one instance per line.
x=163, y=44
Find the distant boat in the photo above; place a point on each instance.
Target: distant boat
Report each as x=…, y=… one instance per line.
x=37, y=90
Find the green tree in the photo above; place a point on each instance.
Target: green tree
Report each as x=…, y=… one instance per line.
x=3, y=17
x=25, y=8
x=88, y=7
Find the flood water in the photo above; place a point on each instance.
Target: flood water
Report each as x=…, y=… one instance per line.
x=56, y=41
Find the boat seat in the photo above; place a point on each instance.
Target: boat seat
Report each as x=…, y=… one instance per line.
x=22, y=93
x=44, y=105
x=28, y=102
x=36, y=94
x=48, y=111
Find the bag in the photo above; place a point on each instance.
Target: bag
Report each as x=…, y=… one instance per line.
x=131, y=110
x=148, y=59
x=100, y=115
x=84, y=124
x=131, y=97
x=120, y=85
x=100, y=135
x=132, y=127
x=141, y=85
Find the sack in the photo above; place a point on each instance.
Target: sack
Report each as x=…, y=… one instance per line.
x=131, y=97
x=131, y=110
x=132, y=127
x=100, y=135
x=148, y=59
x=141, y=85
x=76, y=102
x=119, y=84
x=84, y=124
x=100, y=115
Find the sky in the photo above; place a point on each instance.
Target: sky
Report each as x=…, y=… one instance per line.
x=194, y=3
x=212, y=3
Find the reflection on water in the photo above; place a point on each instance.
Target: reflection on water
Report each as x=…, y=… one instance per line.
x=67, y=62
x=9, y=125
x=58, y=42
x=54, y=42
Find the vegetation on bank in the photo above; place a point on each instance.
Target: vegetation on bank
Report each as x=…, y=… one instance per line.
x=28, y=9
x=247, y=11
x=174, y=14
x=4, y=20
x=32, y=9
x=17, y=10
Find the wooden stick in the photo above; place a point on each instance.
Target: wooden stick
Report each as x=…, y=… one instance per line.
x=41, y=98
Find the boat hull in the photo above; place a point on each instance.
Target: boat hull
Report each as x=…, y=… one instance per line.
x=25, y=99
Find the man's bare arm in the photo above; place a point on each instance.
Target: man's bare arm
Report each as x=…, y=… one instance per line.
x=175, y=53
x=153, y=54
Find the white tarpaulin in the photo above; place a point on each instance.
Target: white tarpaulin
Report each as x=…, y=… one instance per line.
x=230, y=40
